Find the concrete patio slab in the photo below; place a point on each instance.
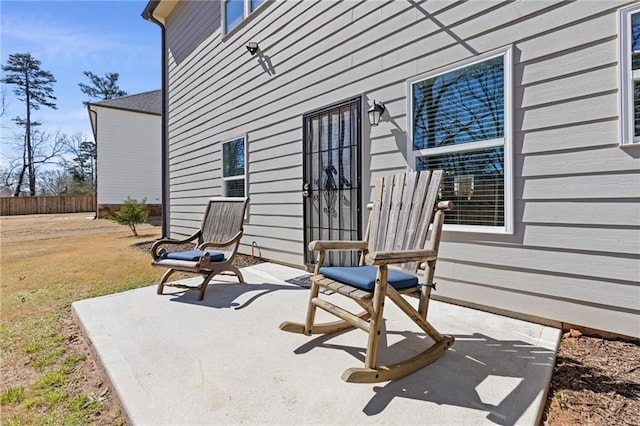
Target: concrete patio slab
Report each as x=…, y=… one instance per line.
x=175, y=361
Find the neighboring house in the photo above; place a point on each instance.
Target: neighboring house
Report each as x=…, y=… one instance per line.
x=5, y=191
x=127, y=131
x=528, y=105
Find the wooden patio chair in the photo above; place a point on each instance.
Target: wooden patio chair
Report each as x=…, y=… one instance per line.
x=216, y=241
x=402, y=212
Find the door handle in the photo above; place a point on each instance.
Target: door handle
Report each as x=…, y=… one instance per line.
x=306, y=190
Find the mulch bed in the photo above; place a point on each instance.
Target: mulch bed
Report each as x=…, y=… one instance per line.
x=596, y=381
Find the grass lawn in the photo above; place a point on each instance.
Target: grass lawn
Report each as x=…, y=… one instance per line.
x=46, y=263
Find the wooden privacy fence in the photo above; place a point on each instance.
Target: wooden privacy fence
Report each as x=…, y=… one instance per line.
x=11, y=206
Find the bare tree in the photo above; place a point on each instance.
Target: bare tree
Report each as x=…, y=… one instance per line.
x=9, y=173
x=3, y=104
x=55, y=182
x=46, y=151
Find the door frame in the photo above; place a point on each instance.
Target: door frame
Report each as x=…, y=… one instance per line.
x=309, y=258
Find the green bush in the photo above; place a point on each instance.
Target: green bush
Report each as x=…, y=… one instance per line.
x=131, y=213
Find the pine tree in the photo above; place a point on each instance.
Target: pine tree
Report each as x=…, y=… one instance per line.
x=102, y=88
x=34, y=88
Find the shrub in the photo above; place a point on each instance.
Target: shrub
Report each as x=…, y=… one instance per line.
x=131, y=213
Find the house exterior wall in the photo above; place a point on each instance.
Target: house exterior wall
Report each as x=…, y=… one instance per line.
x=128, y=159
x=573, y=254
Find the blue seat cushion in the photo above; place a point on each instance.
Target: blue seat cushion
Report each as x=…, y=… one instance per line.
x=192, y=255
x=364, y=277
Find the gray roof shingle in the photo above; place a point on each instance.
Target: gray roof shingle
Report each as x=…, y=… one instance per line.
x=148, y=102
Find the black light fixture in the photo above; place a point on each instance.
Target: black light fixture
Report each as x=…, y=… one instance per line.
x=252, y=47
x=375, y=112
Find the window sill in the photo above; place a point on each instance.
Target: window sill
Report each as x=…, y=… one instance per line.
x=630, y=146
x=474, y=229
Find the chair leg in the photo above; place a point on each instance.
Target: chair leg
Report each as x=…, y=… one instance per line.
x=237, y=273
x=205, y=284
x=311, y=309
x=414, y=315
x=375, y=323
x=164, y=279
x=425, y=291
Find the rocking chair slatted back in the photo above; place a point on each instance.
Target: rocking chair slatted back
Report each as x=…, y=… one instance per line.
x=403, y=207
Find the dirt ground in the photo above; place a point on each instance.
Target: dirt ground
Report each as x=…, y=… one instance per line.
x=596, y=381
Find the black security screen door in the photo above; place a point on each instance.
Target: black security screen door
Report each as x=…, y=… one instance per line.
x=331, y=187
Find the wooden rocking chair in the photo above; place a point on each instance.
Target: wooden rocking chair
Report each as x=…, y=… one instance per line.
x=217, y=244
x=402, y=210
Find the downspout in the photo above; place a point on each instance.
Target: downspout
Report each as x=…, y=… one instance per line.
x=93, y=118
x=148, y=15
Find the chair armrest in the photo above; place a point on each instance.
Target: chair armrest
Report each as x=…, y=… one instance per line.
x=232, y=241
x=444, y=205
x=156, y=249
x=319, y=245
x=401, y=256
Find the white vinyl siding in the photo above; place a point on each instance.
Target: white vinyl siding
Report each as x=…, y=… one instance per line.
x=575, y=192
x=629, y=51
x=128, y=156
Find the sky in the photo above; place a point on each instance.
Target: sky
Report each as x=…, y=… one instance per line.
x=69, y=37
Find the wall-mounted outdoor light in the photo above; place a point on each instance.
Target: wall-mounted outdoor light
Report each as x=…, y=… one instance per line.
x=375, y=112
x=252, y=47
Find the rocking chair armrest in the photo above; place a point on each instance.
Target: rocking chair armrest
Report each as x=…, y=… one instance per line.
x=444, y=205
x=320, y=245
x=401, y=256
x=156, y=249
x=209, y=244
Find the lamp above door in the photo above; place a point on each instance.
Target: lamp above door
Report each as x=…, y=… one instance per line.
x=375, y=112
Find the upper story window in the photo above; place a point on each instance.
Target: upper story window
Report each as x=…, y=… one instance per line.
x=460, y=122
x=234, y=11
x=234, y=168
x=629, y=44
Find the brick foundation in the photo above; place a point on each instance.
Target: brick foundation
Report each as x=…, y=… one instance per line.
x=155, y=210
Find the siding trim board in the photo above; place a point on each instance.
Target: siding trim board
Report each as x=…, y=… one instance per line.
x=572, y=254
x=628, y=77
